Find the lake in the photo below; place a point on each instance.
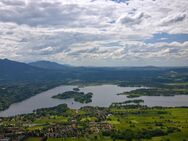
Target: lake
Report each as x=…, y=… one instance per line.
x=103, y=95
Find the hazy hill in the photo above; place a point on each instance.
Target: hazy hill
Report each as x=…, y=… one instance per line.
x=49, y=65
x=11, y=71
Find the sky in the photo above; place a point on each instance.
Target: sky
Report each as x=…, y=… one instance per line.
x=95, y=32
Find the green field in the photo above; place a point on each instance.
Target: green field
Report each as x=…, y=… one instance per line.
x=135, y=120
x=139, y=119
x=33, y=139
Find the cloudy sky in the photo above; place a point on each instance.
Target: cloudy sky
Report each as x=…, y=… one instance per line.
x=95, y=32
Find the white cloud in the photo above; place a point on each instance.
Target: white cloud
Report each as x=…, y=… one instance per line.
x=112, y=30
x=131, y=20
x=173, y=19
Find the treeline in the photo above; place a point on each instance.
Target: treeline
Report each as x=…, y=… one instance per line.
x=14, y=93
x=129, y=135
x=78, y=96
x=156, y=92
x=13, y=72
x=57, y=110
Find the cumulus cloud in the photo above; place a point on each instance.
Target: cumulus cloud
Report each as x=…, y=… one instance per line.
x=137, y=50
x=173, y=19
x=131, y=20
x=109, y=31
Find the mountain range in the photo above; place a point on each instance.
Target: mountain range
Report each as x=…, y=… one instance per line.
x=49, y=65
x=13, y=71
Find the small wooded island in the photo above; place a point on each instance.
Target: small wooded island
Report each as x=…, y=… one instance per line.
x=78, y=96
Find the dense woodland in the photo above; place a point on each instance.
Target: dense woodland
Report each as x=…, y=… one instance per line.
x=169, y=90
x=77, y=96
x=14, y=93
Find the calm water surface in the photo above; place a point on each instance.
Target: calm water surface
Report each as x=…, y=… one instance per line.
x=103, y=95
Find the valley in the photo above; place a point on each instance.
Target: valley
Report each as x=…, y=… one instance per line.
x=89, y=104
x=93, y=70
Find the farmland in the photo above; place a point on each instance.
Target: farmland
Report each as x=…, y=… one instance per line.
x=131, y=122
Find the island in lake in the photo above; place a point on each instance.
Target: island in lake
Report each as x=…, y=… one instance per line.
x=76, y=95
x=165, y=91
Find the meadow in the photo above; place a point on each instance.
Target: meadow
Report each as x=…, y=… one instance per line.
x=137, y=123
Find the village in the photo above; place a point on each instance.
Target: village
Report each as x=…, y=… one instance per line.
x=18, y=128
x=122, y=122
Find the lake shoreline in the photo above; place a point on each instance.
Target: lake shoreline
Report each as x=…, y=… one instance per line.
x=104, y=96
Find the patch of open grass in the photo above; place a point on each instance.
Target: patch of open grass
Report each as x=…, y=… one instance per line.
x=155, y=118
x=33, y=139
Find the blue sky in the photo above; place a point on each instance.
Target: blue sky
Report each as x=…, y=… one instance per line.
x=165, y=37
x=95, y=32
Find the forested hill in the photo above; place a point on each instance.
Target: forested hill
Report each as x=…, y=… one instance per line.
x=12, y=71
x=49, y=65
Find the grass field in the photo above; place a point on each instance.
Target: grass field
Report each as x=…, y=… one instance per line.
x=33, y=139
x=139, y=119
x=83, y=139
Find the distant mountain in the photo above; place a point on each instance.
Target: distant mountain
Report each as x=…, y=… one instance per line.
x=9, y=66
x=49, y=65
x=12, y=71
x=15, y=72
